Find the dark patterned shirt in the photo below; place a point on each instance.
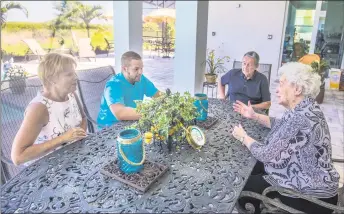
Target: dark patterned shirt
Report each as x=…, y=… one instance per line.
x=297, y=152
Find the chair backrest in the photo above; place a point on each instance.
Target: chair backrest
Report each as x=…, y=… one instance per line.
x=85, y=48
x=35, y=47
x=91, y=84
x=262, y=68
x=15, y=97
x=75, y=43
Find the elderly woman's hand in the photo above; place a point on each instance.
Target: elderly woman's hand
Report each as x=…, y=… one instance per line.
x=239, y=133
x=244, y=110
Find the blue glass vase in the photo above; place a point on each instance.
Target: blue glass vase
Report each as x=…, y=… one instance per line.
x=201, y=104
x=130, y=151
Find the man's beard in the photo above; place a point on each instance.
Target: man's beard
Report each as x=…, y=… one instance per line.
x=135, y=79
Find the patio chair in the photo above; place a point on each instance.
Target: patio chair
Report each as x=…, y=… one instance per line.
x=91, y=84
x=35, y=48
x=272, y=206
x=110, y=45
x=85, y=49
x=15, y=96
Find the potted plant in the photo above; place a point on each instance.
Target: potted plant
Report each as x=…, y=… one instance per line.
x=166, y=117
x=320, y=67
x=17, y=79
x=61, y=42
x=215, y=66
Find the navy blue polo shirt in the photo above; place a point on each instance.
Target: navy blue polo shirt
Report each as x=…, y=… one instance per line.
x=255, y=89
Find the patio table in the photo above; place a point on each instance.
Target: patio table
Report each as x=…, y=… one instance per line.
x=69, y=180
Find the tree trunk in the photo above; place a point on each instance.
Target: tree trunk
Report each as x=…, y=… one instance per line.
x=88, y=31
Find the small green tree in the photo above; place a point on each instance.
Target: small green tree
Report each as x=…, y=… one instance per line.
x=7, y=6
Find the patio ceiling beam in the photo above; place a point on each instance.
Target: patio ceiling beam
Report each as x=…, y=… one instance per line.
x=190, y=45
x=127, y=21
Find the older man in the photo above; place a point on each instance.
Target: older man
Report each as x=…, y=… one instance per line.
x=247, y=84
x=121, y=91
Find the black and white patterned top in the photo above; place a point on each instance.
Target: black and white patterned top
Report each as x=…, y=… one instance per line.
x=297, y=152
x=62, y=117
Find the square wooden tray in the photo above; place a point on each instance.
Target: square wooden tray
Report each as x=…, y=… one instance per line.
x=141, y=180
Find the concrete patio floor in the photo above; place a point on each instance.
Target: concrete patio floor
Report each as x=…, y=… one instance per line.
x=160, y=72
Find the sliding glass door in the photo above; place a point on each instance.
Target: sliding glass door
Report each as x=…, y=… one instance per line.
x=314, y=27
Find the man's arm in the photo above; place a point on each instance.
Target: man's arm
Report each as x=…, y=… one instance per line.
x=222, y=85
x=266, y=96
x=114, y=98
x=122, y=112
x=263, y=105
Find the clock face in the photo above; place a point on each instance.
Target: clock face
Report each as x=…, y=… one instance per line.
x=197, y=136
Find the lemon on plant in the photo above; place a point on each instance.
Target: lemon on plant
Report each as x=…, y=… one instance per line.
x=148, y=135
x=148, y=140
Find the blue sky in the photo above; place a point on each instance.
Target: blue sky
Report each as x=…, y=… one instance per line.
x=41, y=11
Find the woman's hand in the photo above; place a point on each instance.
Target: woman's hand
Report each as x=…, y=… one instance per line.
x=239, y=133
x=74, y=134
x=245, y=110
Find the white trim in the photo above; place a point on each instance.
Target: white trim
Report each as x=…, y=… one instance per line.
x=317, y=16
x=283, y=34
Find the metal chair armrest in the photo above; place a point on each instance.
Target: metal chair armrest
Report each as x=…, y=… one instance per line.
x=337, y=160
x=6, y=160
x=273, y=205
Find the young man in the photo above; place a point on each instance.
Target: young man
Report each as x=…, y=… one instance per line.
x=123, y=89
x=247, y=84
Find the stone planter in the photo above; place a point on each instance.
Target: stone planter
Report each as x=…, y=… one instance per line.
x=211, y=78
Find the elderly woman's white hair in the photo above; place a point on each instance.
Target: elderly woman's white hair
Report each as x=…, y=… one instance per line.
x=302, y=75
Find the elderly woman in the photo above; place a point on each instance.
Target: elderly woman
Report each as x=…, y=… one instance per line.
x=297, y=151
x=55, y=116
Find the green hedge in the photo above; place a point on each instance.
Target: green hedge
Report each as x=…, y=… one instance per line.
x=19, y=26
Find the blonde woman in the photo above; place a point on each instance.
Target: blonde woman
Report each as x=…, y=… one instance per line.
x=55, y=116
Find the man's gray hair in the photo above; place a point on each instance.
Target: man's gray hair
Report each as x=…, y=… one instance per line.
x=302, y=75
x=253, y=55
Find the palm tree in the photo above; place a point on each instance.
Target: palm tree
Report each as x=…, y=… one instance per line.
x=65, y=13
x=6, y=6
x=87, y=13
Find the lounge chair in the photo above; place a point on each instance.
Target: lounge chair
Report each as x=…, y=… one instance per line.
x=85, y=49
x=35, y=48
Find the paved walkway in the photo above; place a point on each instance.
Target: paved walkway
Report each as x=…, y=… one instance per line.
x=160, y=71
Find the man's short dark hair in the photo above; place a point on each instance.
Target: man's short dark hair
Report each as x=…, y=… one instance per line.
x=128, y=56
x=253, y=55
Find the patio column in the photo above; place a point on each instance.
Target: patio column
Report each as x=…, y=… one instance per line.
x=190, y=45
x=127, y=23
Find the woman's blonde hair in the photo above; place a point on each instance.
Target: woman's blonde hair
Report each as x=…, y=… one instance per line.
x=52, y=65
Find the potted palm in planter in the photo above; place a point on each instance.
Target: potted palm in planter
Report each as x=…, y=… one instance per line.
x=215, y=66
x=17, y=79
x=320, y=67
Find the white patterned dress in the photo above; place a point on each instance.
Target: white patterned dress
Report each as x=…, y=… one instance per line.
x=62, y=117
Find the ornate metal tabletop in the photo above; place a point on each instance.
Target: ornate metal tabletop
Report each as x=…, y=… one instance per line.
x=69, y=180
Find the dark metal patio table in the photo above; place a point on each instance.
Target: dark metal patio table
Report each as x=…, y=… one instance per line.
x=69, y=180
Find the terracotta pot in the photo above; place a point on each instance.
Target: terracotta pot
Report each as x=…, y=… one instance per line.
x=320, y=97
x=211, y=78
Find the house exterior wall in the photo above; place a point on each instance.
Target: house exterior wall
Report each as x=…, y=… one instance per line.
x=246, y=27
